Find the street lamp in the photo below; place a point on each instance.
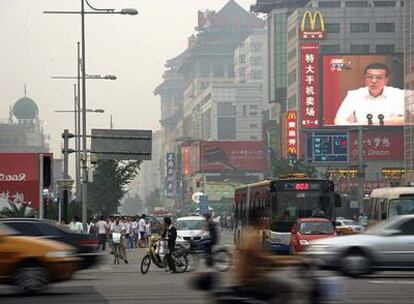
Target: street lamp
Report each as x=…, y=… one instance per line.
x=95, y=77
x=87, y=111
x=82, y=12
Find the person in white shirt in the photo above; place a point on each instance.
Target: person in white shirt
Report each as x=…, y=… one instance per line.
x=141, y=231
x=375, y=99
x=119, y=227
x=102, y=229
x=76, y=225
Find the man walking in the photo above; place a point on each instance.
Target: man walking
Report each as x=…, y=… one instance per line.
x=102, y=228
x=170, y=235
x=141, y=231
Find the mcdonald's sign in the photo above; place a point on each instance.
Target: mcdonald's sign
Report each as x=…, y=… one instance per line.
x=310, y=29
x=292, y=133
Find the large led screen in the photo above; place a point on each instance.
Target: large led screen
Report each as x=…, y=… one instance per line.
x=363, y=90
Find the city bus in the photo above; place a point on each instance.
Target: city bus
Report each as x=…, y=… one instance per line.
x=279, y=203
x=385, y=203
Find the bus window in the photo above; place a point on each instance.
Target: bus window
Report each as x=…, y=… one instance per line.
x=401, y=206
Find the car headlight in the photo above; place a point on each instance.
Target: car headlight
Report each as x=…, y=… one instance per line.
x=205, y=236
x=59, y=254
x=303, y=242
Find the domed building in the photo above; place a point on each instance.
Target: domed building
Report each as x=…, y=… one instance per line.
x=23, y=131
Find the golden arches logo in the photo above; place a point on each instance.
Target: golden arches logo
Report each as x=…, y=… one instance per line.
x=291, y=115
x=312, y=21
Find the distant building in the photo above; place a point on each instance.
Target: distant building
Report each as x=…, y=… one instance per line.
x=23, y=131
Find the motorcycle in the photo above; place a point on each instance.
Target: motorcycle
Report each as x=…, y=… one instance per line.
x=157, y=249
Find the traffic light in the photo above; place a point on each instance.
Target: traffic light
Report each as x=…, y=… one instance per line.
x=47, y=171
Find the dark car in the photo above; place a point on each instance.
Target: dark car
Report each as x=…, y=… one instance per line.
x=86, y=244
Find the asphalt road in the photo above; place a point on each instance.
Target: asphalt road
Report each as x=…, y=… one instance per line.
x=108, y=283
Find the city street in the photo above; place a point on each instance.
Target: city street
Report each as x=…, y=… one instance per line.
x=124, y=283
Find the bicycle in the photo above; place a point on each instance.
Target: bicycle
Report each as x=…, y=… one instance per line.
x=194, y=251
x=155, y=254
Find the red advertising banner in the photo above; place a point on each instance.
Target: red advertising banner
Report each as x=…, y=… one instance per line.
x=309, y=85
x=379, y=144
x=19, y=178
x=190, y=158
x=292, y=133
x=220, y=156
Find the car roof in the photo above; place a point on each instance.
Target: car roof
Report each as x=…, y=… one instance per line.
x=189, y=218
x=313, y=219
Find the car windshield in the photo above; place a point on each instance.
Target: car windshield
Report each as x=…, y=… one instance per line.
x=379, y=228
x=289, y=206
x=6, y=230
x=313, y=228
x=401, y=206
x=190, y=224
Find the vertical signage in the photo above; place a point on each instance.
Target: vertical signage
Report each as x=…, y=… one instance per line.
x=309, y=83
x=170, y=183
x=203, y=205
x=292, y=133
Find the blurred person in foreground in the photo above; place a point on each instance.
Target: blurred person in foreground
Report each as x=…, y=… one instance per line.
x=211, y=240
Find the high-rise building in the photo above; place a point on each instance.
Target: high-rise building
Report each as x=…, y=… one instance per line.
x=409, y=89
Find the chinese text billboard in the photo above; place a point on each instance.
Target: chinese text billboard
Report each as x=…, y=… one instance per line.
x=221, y=156
x=170, y=182
x=309, y=83
x=363, y=90
x=379, y=145
x=19, y=178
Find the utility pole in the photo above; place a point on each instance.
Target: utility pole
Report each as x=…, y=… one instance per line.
x=361, y=168
x=41, y=175
x=65, y=137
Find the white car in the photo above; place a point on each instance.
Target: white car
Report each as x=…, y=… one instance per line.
x=388, y=245
x=345, y=226
x=190, y=228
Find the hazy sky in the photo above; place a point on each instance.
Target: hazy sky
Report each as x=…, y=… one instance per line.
x=36, y=46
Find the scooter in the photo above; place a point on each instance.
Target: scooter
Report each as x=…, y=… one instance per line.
x=156, y=252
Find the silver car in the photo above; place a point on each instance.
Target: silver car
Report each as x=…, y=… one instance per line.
x=388, y=245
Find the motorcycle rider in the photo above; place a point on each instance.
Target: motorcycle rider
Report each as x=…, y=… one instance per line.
x=170, y=235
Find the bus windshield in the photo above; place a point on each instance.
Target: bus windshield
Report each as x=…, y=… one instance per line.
x=401, y=206
x=287, y=206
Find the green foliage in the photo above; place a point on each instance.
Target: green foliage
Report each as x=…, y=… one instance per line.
x=74, y=209
x=285, y=166
x=153, y=199
x=132, y=204
x=17, y=210
x=111, y=179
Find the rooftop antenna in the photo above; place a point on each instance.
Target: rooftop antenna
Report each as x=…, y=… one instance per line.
x=25, y=90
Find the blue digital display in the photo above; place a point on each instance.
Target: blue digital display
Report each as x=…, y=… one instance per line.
x=324, y=147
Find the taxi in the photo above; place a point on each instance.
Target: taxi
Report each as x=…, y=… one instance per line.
x=31, y=264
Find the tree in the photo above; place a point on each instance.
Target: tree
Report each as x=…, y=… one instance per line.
x=132, y=204
x=17, y=210
x=285, y=166
x=153, y=199
x=111, y=179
